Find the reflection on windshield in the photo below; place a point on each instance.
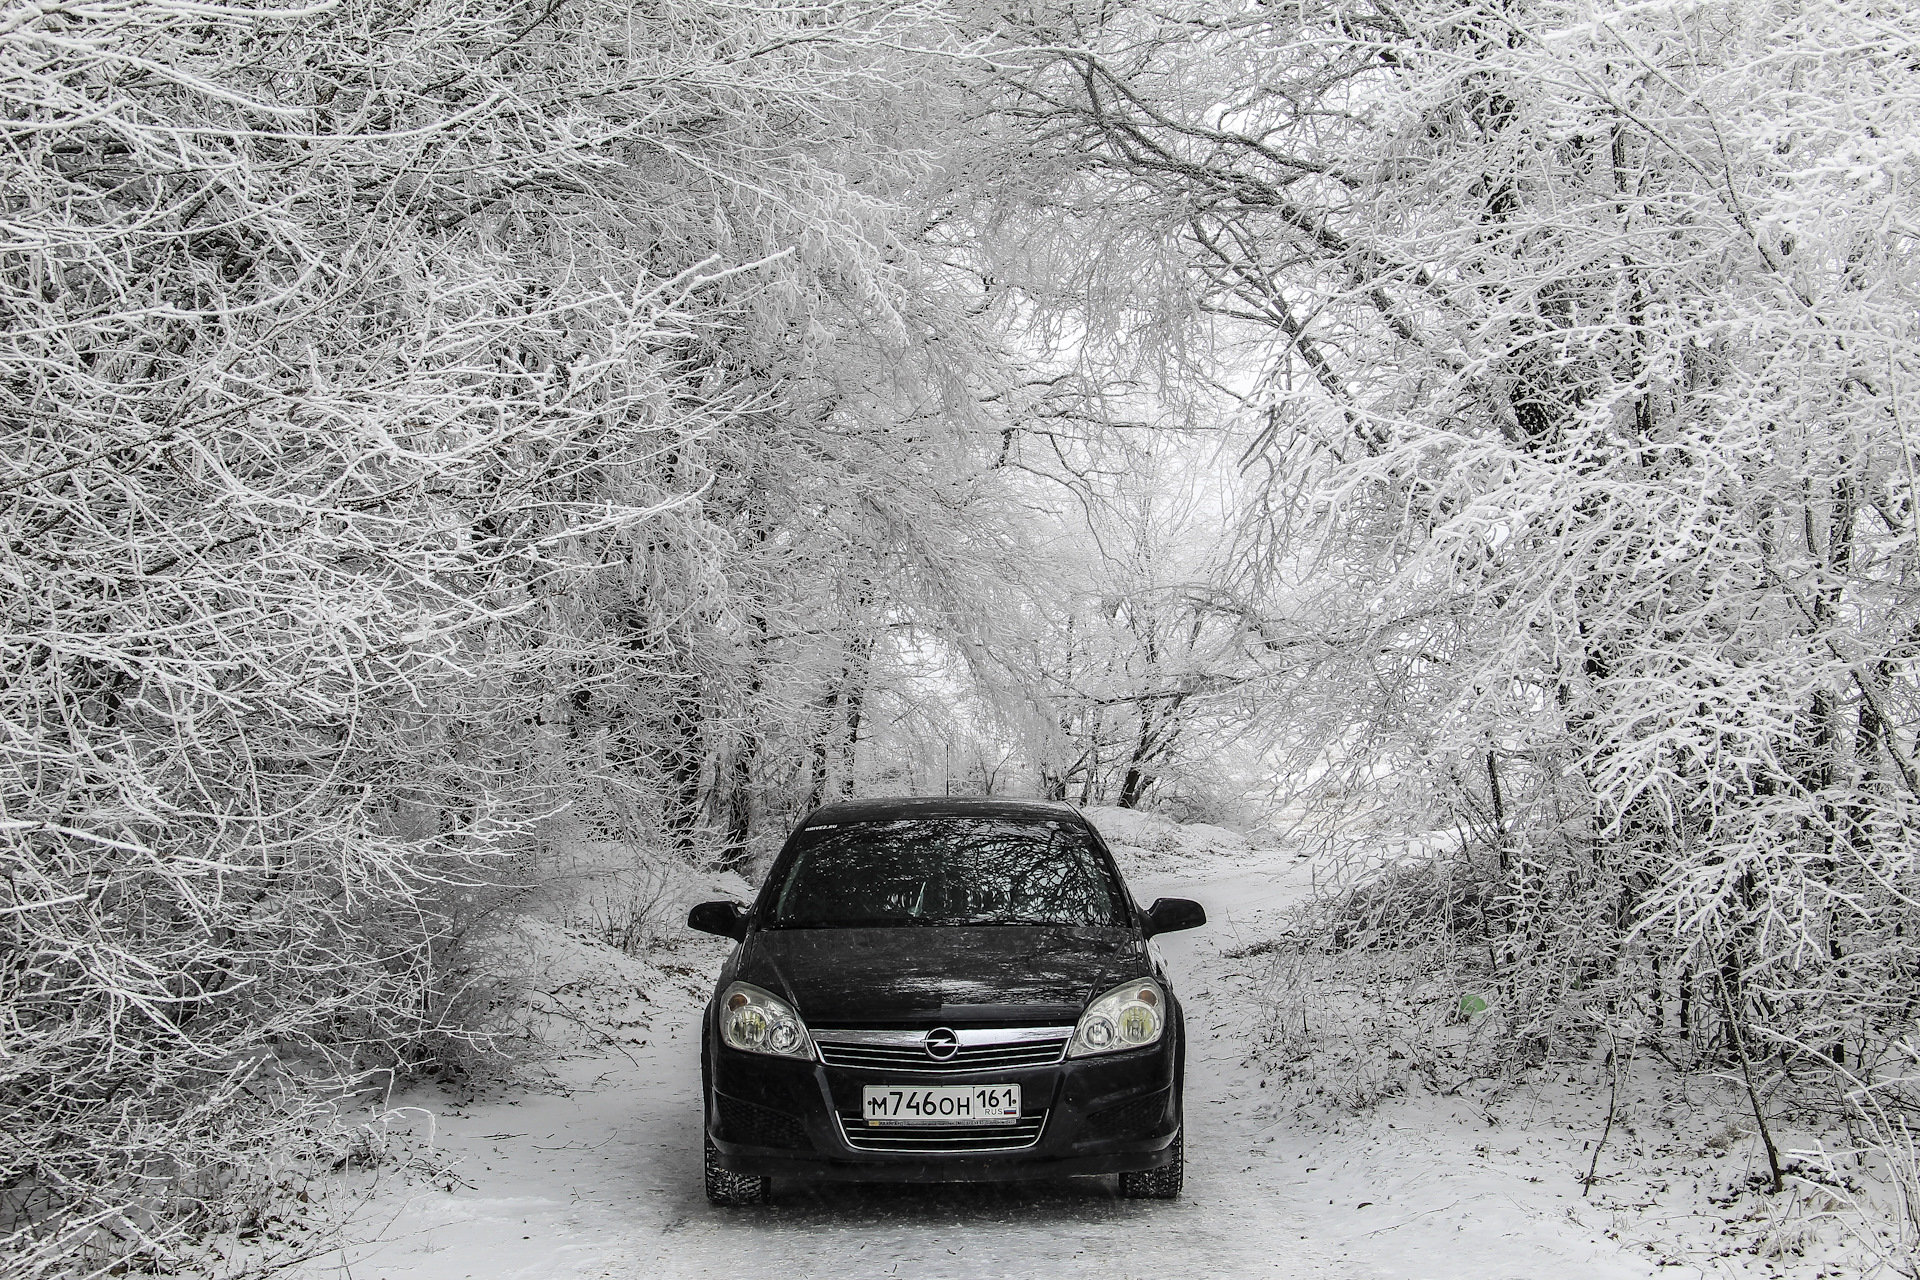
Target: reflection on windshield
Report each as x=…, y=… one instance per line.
x=947, y=871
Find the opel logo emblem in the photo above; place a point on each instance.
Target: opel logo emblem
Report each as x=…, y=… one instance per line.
x=941, y=1043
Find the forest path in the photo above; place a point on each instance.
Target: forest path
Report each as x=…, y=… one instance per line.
x=600, y=1177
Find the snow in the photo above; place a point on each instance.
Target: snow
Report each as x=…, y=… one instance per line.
x=1143, y=839
x=596, y=1172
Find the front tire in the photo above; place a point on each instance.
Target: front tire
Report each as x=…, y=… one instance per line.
x=726, y=1188
x=1159, y=1184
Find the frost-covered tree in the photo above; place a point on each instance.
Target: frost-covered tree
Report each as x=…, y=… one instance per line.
x=861, y=391
x=394, y=400
x=1579, y=342
x=1135, y=659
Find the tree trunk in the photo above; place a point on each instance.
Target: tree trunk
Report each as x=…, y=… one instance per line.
x=685, y=761
x=853, y=703
x=738, y=816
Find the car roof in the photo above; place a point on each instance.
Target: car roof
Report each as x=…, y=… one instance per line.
x=892, y=808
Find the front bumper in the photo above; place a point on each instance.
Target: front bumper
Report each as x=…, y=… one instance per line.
x=782, y=1117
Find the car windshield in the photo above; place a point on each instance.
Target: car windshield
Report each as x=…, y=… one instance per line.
x=946, y=871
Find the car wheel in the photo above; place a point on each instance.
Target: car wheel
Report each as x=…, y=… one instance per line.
x=1162, y=1183
x=733, y=1188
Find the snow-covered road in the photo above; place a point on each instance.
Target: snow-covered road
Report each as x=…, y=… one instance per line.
x=600, y=1177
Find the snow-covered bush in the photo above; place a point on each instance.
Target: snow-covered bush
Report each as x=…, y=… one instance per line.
x=290, y=447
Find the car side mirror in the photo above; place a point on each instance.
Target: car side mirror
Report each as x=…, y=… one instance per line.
x=1169, y=915
x=726, y=919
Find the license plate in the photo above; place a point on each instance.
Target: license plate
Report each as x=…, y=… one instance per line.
x=941, y=1104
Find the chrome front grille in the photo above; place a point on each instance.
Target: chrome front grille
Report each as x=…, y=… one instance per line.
x=947, y=1138
x=978, y=1049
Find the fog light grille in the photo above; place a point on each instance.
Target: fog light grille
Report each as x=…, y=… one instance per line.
x=1142, y=1115
x=756, y=1126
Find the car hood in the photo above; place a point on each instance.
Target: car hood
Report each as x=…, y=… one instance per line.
x=941, y=976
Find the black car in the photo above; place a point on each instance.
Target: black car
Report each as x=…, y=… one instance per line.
x=936, y=990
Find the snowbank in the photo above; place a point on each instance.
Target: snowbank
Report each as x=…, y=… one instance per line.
x=1154, y=842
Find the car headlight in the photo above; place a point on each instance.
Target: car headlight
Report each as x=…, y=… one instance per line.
x=1127, y=1017
x=761, y=1022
